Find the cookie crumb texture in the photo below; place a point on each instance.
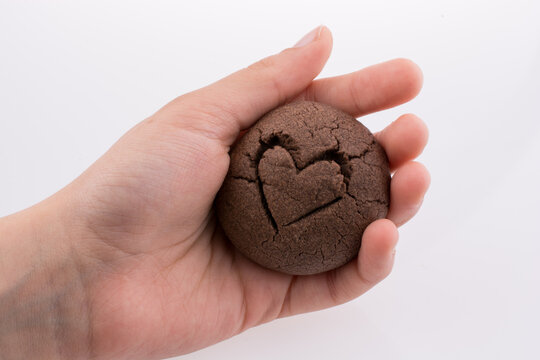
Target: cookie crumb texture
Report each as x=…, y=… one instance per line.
x=303, y=184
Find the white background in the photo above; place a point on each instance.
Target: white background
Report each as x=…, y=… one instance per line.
x=75, y=76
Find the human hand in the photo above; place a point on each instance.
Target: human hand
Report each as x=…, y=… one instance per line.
x=157, y=277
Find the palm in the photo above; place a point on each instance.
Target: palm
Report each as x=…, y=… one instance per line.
x=190, y=277
x=169, y=282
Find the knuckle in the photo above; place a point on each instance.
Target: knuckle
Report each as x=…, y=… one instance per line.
x=267, y=72
x=335, y=294
x=264, y=64
x=354, y=92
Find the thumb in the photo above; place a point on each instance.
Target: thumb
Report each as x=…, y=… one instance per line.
x=220, y=110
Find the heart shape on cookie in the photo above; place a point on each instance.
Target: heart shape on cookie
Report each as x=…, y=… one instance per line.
x=292, y=194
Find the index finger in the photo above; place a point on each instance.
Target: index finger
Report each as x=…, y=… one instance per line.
x=371, y=89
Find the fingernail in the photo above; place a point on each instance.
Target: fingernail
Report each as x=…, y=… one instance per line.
x=310, y=37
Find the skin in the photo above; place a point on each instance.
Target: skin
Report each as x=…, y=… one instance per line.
x=128, y=261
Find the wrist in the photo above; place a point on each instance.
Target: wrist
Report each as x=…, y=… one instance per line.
x=43, y=303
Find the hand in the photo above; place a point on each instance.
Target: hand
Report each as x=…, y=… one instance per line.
x=158, y=276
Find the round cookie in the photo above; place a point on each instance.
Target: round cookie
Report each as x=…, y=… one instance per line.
x=303, y=184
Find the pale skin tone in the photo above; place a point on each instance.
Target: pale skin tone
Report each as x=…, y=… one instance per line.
x=129, y=262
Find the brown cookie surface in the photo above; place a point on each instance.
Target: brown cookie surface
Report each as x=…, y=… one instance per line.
x=303, y=184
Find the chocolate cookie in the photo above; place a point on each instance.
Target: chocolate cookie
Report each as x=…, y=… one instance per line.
x=303, y=184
